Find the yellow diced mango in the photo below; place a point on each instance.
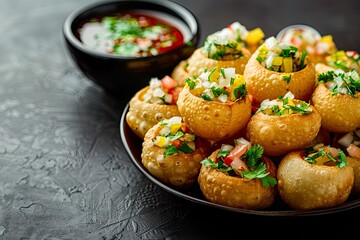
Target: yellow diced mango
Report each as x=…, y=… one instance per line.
x=254, y=36
x=239, y=80
x=290, y=102
x=214, y=75
x=277, y=61
x=175, y=127
x=326, y=38
x=268, y=111
x=288, y=64
x=160, y=141
x=197, y=91
x=239, y=47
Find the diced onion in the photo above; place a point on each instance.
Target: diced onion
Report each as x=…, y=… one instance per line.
x=346, y=139
x=226, y=147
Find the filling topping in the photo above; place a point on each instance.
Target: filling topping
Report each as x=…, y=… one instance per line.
x=175, y=137
x=281, y=57
x=325, y=155
x=284, y=106
x=351, y=141
x=344, y=60
x=164, y=91
x=309, y=40
x=219, y=84
x=242, y=160
x=228, y=43
x=340, y=82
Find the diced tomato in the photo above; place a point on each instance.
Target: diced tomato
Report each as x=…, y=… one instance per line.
x=251, y=97
x=334, y=152
x=175, y=94
x=239, y=165
x=176, y=143
x=168, y=83
x=270, y=166
x=237, y=152
x=185, y=128
x=353, y=150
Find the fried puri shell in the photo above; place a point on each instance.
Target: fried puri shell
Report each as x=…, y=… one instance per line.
x=263, y=83
x=220, y=188
x=322, y=68
x=213, y=120
x=339, y=113
x=306, y=186
x=142, y=116
x=355, y=164
x=282, y=134
x=199, y=60
x=180, y=73
x=179, y=170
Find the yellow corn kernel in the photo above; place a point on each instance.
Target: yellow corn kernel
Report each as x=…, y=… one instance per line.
x=288, y=64
x=175, y=127
x=277, y=61
x=254, y=36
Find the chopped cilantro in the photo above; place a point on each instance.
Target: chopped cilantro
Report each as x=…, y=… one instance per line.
x=185, y=148
x=170, y=150
x=253, y=155
x=240, y=91
x=340, y=159
x=302, y=59
x=206, y=97
x=287, y=78
x=177, y=135
x=252, y=158
x=345, y=83
x=223, y=153
x=218, y=91
x=191, y=83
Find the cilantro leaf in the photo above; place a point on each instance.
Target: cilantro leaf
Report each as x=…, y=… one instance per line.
x=240, y=91
x=185, y=148
x=191, y=83
x=253, y=155
x=218, y=91
x=170, y=150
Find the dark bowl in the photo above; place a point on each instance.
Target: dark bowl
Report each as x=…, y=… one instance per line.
x=124, y=76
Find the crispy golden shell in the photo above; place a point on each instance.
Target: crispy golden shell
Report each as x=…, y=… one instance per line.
x=142, y=116
x=281, y=134
x=180, y=73
x=220, y=188
x=355, y=164
x=213, y=120
x=339, y=113
x=307, y=186
x=322, y=68
x=179, y=170
x=199, y=61
x=263, y=84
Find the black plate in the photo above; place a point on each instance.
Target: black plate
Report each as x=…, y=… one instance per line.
x=133, y=147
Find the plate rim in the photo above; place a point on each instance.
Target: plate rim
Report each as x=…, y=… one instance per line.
x=348, y=205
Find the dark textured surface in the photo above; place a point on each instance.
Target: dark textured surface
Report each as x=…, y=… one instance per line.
x=64, y=173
